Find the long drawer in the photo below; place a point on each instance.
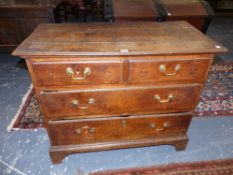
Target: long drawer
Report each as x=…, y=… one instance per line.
x=84, y=131
x=119, y=101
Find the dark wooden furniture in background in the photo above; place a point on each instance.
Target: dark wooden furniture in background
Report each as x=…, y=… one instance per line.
x=196, y=12
x=130, y=10
x=81, y=9
x=110, y=86
x=222, y=7
x=19, y=18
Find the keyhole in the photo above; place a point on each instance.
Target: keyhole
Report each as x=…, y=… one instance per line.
x=77, y=71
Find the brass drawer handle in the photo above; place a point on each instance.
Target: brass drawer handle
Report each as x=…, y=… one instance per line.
x=162, y=69
x=165, y=125
x=70, y=72
x=169, y=98
x=85, y=130
x=75, y=103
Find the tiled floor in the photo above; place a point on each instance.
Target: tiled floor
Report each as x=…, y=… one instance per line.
x=26, y=152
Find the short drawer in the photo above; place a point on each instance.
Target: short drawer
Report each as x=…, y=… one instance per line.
x=75, y=73
x=84, y=131
x=188, y=71
x=128, y=101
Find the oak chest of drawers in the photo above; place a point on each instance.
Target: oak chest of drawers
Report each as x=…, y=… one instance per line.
x=110, y=86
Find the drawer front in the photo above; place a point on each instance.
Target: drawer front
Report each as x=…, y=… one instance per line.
x=188, y=71
x=120, y=101
x=84, y=131
x=75, y=73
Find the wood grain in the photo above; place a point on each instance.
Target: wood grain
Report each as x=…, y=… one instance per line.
x=191, y=71
x=118, y=128
x=136, y=10
x=126, y=101
x=102, y=72
x=118, y=39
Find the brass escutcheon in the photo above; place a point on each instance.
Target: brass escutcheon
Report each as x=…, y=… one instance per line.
x=123, y=122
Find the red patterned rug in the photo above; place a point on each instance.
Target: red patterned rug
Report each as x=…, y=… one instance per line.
x=217, y=167
x=217, y=96
x=216, y=100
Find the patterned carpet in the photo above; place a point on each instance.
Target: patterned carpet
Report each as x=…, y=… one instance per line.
x=216, y=100
x=218, y=167
x=217, y=96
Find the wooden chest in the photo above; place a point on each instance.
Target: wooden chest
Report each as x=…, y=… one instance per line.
x=18, y=20
x=110, y=85
x=196, y=12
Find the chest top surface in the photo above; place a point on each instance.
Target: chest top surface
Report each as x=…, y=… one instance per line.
x=119, y=39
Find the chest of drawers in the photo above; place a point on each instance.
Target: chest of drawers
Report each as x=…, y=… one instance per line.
x=110, y=86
